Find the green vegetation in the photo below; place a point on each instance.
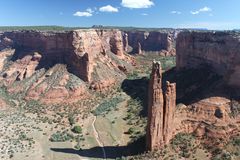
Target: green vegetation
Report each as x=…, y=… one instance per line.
x=73, y=82
x=61, y=137
x=235, y=108
x=133, y=75
x=107, y=106
x=223, y=155
x=131, y=130
x=71, y=120
x=167, y=62
x=77, y=146
x=135, y=120
x=77, y=129
x=236, y=141
x=183, y=144
x=6, y=96
x=144, y=67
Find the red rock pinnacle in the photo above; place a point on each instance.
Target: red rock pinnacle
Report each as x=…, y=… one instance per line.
x=161, y=109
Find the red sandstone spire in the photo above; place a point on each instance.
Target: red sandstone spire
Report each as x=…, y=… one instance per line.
x=160, y=110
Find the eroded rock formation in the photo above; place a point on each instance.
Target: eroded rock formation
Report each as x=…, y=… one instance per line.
x=219, y=50
x=212, y=115
x=153, y=42
x=95, y=56
x=161, y=108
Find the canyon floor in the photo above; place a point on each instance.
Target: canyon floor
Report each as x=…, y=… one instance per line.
x=109, y=125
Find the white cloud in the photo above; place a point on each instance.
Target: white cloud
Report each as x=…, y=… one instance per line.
x=137, y=3
x=108, y=8
x=89, y=10
x=87, y=13
x=144, y=14
x=82, y=14
x=176, y=12
x=195, y=12
x=204, y=9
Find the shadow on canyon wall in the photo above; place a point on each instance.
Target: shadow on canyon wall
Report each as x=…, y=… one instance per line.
x=47, y=61
x=200, y=83
x=52, y=58
x=112, y=152
x=138, y=90
x=192, y=85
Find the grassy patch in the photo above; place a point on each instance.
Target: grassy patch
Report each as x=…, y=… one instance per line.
x=184, y=144
x=107, y=106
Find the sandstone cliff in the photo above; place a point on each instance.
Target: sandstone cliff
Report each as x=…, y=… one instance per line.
x=159, y=42
x=218, y=50
x=210, y=116
x=96, y=57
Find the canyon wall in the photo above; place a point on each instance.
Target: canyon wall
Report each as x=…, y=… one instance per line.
x=218, y=50
x=138, y=42
x=213, y=116
x=161, y=109
x=78, y=49
x=61, y=66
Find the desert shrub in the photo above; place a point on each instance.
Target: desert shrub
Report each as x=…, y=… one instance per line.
x=133, y=75
x=236, y=141
x=106, y=106
x=168, y=62
x=77, y=146
x=131, y=130
x=224, y=155
x=183, y=143
x=61, y=137
x=73, y=82
x=71, y=120
x=77, y=129
x=235, y=108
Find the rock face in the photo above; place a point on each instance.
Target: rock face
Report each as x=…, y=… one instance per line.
x=218, y=50
x=212, y=115
x=68, y=47
x=78, y=49
x=96, y=57
x=169, y=111
x=161, y=108
x=153, y=41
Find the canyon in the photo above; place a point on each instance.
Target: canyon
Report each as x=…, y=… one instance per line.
x=97, y=56
x=212, y=113
x=103, y=74
x=160, y=42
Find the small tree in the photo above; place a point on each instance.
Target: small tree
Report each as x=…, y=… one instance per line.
x=77, y=129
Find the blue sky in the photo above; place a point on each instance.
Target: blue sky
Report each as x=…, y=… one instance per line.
x=211, y=14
